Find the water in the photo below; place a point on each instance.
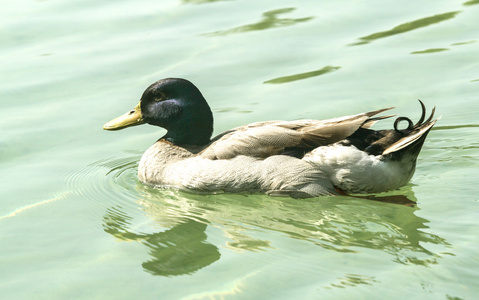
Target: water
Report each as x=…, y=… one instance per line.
x=76, y=223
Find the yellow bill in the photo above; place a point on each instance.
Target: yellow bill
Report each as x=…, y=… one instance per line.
x=131, y=118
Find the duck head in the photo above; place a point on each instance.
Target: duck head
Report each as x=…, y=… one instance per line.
x=176, y=105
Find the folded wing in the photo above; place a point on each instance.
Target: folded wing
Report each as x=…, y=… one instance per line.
x=264, y=139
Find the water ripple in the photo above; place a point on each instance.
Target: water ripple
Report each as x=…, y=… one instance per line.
x=97, y=187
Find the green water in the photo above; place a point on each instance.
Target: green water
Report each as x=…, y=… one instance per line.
x=75, y=223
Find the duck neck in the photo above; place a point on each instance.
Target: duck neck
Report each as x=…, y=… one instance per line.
x=191, y=133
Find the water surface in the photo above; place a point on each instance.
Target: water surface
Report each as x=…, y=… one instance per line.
x=75, y=223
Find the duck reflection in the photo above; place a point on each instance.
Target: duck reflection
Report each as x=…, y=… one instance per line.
x=341, y=224
x=270, y=20
x=182, y=249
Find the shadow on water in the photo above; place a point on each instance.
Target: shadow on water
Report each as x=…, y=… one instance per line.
x=405, y=27
x=270, y=20
x=177, y=242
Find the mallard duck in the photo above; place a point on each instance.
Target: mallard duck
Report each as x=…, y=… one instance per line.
x=304, y=158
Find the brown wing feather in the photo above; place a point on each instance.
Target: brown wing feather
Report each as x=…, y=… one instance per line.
x=263, y=139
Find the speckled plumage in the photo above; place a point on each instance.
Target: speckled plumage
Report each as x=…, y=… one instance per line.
x=304, y=158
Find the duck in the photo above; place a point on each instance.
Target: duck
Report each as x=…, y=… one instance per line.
x=299, y=159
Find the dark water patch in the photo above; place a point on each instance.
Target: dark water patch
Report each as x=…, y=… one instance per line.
x=435, y=50
x=405, y=27
x=472, y=2
x=351, y=280
x=448, y=127
x=432, y=50
x=464, y=43
x=270, y=20
x=300, y=76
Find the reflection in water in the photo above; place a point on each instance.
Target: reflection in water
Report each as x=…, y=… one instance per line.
x=448, y=127
x=472, y=2
x=432, y=50
x=300, y=76
x=352, y=280
x=339, y=224
x=270, y=20
x=241, y=241
x=408, y=27
x=179, y=250
x=464, y=43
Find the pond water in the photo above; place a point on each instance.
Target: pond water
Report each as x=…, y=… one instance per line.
x=75, y=223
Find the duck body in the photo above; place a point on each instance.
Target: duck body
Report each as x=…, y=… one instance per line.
x=241, y=173
x=325, y=171
x=304, y=158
